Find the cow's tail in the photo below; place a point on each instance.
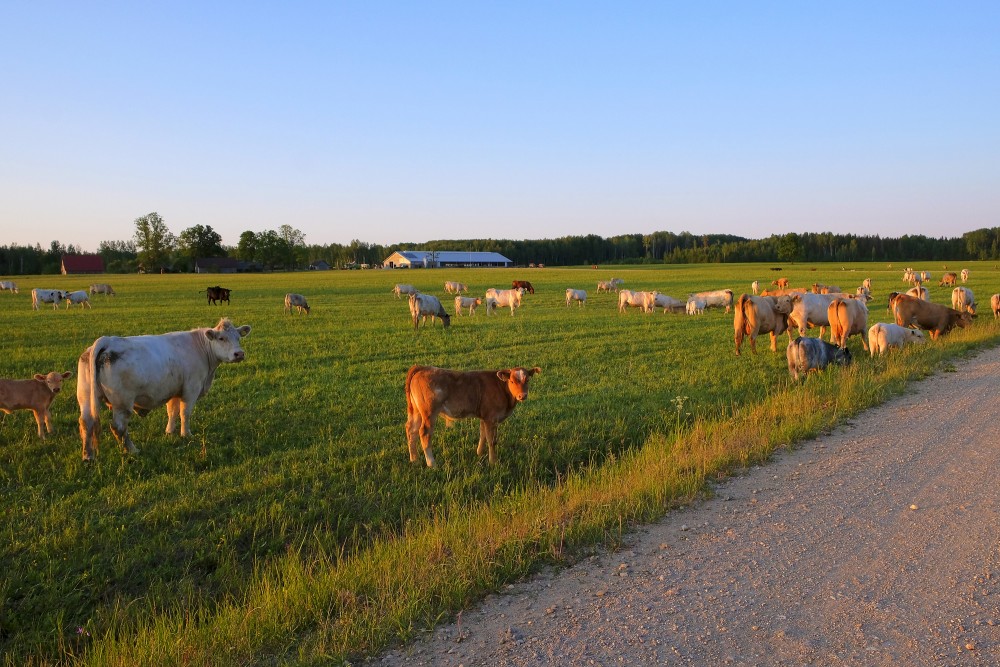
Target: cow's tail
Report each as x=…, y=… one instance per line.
x=740, y=321
x=95, y=392
x=839, y=327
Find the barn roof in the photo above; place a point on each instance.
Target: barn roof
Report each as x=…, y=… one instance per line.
x=83, y=264
x=454, y=256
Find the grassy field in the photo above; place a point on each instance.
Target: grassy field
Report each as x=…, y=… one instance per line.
x=291, y=527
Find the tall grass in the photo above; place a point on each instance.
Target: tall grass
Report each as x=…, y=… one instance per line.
x=292, y=528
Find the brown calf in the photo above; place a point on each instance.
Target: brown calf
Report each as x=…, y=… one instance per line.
x=489, y=395
x=35, y=395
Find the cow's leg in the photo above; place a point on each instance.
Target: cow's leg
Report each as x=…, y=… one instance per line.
x=47, y=418
x=491, y=439
x=173, y=412
x=483, y=437
x=774, y=342
x=39, y=419
x=412, y=434
x=119, y=426
x=753, y=342
x=184, y=410
x=426, y=430
x=88, y=435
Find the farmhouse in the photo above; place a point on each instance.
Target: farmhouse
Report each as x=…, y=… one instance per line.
x=216, y=265
x=82, y=264
x=424, y=259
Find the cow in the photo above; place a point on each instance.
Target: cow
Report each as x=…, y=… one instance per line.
x=720, y=298
x=810, y=310
x=919, y=292
x=848, y=317
x=423, y=306
x=403, y=288
x=522, y=284
x=35, y=394
x=830, y=289
x=489, y=395
x=491, y=305
x=883, y=337
x=53, y=296
x=505, y=298
x=995, y=305
x=667, y=302
x=965, y=275
x=817, y=288
x=925, y=276
x=754, y=315
x=8, y=286
x=141, y=373
x=695, y=307
x=863, y=291
x=81, y=297
x=949, y=279
x=296, y=301
x=578, y=295
x=217, y=294
x=812, y=354
x=616, y=283
x=867, y=284
x=785, y=291
x=933, y=317
x=452, y=287
x=755, y=287
x=469, y=302
x=102, y=288
x=780, y=283
x=643, y=300
x=909, y=276
x=604, y=286
x=963, y=299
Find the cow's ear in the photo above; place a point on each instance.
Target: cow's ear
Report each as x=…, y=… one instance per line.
x=67, y=374
x=534, y=371
x=39, y=377
x=244, y=330
x=211, y=334
x=504, y=375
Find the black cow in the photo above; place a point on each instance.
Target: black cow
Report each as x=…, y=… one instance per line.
x=217, y=294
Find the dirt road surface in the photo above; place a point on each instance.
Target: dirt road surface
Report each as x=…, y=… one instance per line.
x=878, y=544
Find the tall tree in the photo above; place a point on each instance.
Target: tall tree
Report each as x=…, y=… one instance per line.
x=200, y=241
x=153, y=240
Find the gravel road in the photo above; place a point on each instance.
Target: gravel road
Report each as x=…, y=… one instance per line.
x=878, y=544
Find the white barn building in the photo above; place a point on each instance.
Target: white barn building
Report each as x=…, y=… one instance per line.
x=428, y=259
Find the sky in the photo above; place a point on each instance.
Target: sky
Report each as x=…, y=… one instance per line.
x=411, y=121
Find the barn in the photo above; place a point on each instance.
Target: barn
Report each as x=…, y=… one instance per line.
x=429, y=259
x=82, y=264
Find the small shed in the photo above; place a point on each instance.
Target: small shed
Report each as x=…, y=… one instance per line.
x=82, y=264
x=319, y=265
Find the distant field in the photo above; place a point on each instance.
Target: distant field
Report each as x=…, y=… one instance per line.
x=298, y=454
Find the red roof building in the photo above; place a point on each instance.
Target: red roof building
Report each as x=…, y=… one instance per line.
x=82, y=264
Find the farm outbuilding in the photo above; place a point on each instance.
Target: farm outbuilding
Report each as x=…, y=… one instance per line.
x=427, y=259
x=82, y=264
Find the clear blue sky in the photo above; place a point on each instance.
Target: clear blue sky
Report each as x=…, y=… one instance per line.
x=410, y=121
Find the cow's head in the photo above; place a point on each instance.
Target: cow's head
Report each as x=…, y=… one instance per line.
x=517, y=380
x=915, y=336
x=841, y=356
x=224, y=340
x=964, y=320
x=445, y=319
x=782, y=304
x=53, y=380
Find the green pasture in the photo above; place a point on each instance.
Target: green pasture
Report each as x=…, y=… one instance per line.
x=261, y=535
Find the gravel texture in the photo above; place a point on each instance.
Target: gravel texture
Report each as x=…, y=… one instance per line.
x=878, y=544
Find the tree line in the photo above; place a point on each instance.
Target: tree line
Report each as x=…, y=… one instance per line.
x=155, y=248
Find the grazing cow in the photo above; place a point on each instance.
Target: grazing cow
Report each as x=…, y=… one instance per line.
x=522, y=284
x=102, y=288
x=53, y=296
x=604, y=286
x=616, y=283
x=919, y=292
x=883, y=337
x=141, y=373
x=505, y=298
x=812, y=354
x=925, y=276
x=35, y=395
x=667, y=302
x=217, y=294
x=423, y=306
x=909, y=276
x=8, y=285
x=469, y=302
x=695, y=307
x=910, y=311
x=995, y=305
x=949, y=279
x=755, y=287
x=810, y=310
x=296, y=301
x=489, y=395
x=867, y=284
x=785, y=291
x=755, y=315
x=80, y=296
x=963, y=299
x=643, y=300
x=723, y=298
x=848, y=317
x=452, y=287
x=403, y=288
x=863, y=291
x=780, y=283
x=965, y=275
x=578, y=295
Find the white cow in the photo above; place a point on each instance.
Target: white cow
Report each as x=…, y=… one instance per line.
x=696, y=307
x=296, y=301
x=604, y=286
x=867, y=284
x=810, y=310
x=667, y=302
x=403, y=288
x=925, y=276
x=965, y=275
x=423, y=306
x=8, y=285
x=920, y=292
x=883, y=337
x=53, y=296
x=963, y=300
x=643, y=300
x=469, y=302
x=141, y=373
x=755, y=286
x=616, y=283
x=995, y=305
x=722, y=298
x=79, y=297
x=505, y=298
x=578, y=295
x=102, y=288
x=452, y=287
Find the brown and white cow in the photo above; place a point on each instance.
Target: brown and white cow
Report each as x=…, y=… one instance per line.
x=949, y=279
x=780, y=283
x=522, y=284
x=35, y=394
x=470, y=302
x=298, y=302
x=933, y=317
x=141, y=373
x=848, y=317
x=53, y=296
x=423, y=306
x=489, y=395
x=755, y=315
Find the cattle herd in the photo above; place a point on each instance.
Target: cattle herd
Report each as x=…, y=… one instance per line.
x=141, y=373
